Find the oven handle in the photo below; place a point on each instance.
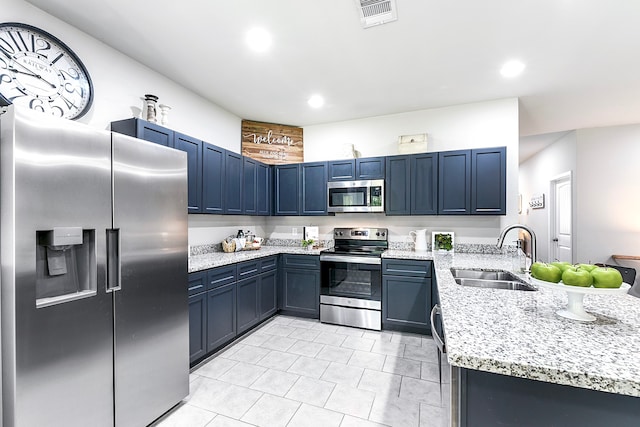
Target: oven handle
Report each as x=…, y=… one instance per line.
x=353, y=259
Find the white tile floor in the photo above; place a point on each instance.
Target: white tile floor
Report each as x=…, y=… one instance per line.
x=298, y=372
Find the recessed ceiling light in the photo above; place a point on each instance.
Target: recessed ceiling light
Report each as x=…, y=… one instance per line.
x=259, y=39
x=512, y=69
x=316, y=101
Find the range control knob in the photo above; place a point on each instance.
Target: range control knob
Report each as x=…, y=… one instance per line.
x=383, y=234
x=377, y=233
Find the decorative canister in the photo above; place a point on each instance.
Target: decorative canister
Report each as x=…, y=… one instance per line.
x=150, y=102
x=164, y=114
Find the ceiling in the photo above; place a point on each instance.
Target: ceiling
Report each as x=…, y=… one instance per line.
x=582, y=56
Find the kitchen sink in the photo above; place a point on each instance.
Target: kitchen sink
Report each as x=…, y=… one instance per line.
x=483, y=274
x=494, y=279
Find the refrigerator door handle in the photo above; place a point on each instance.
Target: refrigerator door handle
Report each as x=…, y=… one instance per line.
x=113, y=260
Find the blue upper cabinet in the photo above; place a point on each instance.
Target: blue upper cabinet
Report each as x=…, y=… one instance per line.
x=424, y=184
x=286, y=189
x=263, y=186
x=454, y=182
x=370, y=168
x=233, y=184
x=162, y=136
x=356, y=169
x=342, y=170
x=256, y=180
x=193, y=148
x=489, y=181
x=313, y=185
x=300, y=189
x=398, y=185
x=144, y=130
x=213, y=172
x=249, y=186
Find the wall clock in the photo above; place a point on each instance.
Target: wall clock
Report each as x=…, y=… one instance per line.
x=39, y=71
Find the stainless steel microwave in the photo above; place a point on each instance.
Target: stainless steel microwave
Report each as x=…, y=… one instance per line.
x=356, y=196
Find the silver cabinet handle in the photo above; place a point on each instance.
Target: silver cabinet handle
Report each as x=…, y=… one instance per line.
x=439, y=341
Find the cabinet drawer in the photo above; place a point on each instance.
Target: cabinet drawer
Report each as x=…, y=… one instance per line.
x=301, y=261
x=268, y=264
x=403, y=267
x=219, y=276
x=197, y=282
x=248, y=268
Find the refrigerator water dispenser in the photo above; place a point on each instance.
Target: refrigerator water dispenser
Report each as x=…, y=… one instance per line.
x=65, y=265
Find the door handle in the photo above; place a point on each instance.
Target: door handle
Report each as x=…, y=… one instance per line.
x=555, y=239
x=114, y=273
x=434, y=332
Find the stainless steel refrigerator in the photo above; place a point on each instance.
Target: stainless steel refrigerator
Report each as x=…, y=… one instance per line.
x=94, y=317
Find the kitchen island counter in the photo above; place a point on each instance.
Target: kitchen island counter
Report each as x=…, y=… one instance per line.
x=519, y=334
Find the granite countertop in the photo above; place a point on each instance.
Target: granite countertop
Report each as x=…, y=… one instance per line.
x=517, y=333
x=218, y=259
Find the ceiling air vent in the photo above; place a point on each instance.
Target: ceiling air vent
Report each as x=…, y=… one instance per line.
x=376, y=12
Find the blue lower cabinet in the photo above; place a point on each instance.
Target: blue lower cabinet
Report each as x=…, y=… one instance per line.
x=221, y=316
x=248, y=313
x=197, y=326
x=406, y=303
x=301, y=292
x=406, y=295
x=268, y=294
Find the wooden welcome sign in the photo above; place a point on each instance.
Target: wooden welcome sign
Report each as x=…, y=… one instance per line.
x=272, y=143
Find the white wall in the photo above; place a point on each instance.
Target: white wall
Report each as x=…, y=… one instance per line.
x=606, y=206
x=535, y=176
x=482, y=124
x=120, y=82
x=608, y=177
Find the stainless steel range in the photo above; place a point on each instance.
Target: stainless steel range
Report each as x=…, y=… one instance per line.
x=351, y=278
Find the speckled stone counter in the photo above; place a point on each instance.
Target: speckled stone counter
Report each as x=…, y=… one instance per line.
x=518, y=333
x=217, y=259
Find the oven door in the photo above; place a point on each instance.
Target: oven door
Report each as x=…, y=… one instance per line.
x=349, y=276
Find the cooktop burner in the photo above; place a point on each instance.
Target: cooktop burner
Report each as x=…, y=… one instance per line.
x=360, y=241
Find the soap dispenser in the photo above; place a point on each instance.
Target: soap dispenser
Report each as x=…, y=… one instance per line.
x=519, y=259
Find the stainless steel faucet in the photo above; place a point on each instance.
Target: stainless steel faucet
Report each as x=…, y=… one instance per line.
x=508, y=228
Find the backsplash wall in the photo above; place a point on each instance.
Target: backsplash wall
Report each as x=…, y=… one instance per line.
x=211, y=229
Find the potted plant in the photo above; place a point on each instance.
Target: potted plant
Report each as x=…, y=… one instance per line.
x=442, y=241
x=308, y=244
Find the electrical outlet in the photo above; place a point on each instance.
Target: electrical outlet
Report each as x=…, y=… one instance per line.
x=294, y=231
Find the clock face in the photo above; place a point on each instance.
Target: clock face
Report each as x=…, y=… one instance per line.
x=40, y=72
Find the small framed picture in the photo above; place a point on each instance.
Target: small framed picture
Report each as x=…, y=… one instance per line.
x=442, y=241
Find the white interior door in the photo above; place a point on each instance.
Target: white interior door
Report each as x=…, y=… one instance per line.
x=561, y=225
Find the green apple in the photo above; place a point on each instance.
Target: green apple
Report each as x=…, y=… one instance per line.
x=588, y=267
x=575, y=276
x=534, y=268
x=606, y=277
x=562, y=265
x=546, y=272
